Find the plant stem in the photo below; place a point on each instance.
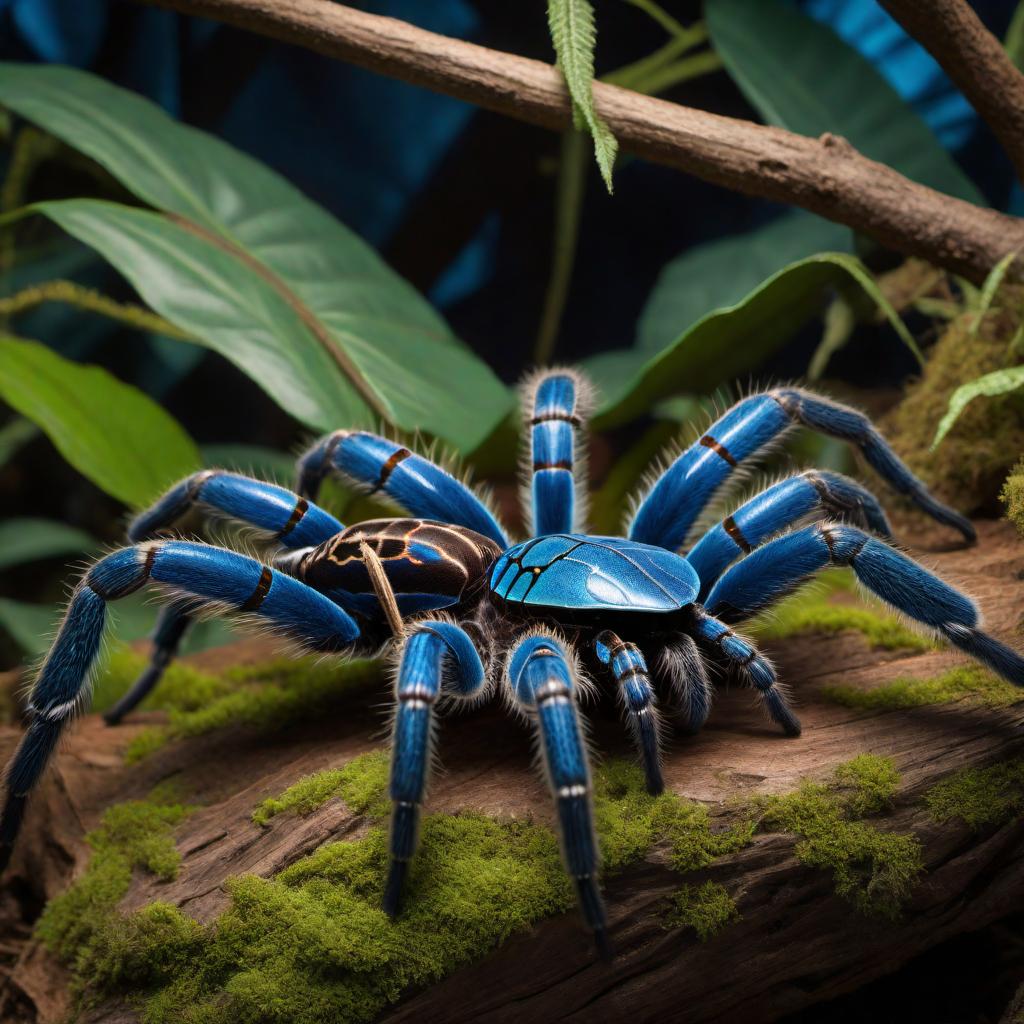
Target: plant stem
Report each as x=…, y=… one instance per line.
x=87, y=299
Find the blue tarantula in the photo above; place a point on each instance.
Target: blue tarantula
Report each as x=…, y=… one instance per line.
x=615, y=602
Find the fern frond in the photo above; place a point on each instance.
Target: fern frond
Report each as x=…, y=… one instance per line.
x=574, y=34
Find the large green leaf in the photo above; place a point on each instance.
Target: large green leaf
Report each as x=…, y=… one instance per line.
x=109, y=431
x=28, y=539
x=728, y=342
x=800, y=75
x=298, y=301
x=720, y=273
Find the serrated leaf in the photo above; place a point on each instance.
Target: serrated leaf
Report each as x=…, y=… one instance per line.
x=728, y=342
x=800, y=75
x=574, y=36
x=382, y=352
x=29, y=539
x=990, y=288
x=109, y=431
x=999, y=382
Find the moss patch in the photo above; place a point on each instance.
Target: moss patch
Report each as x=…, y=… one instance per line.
x=361, y=784
x=968, y=468
x=311, y=944
x=980, y=796
x=706, y=908
x=875, y=870
x=1012, y=496
x=815, y=610
x=138, y=834
x=968, y=683
x=268, y=697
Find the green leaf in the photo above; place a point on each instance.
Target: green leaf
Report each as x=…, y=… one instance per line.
x=720, y=273
x=800, y=75
x=1014, y=42
x=299, y=302
x=29, y=539
x=109, y=431
x=990, y=288
x=574, y=35
x=728, y=342
x=999, y=382
x=13, y=436
x=30, y=626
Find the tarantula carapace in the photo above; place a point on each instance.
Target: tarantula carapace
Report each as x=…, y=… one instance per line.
x=471, y=612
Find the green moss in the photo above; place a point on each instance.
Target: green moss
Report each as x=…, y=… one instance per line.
x=968, y=468
x=970, y=683
x=814, y=610
x=875, y=870
x=311, y=945
x=268, y=697
x=132, y=835
x=630, y=821
x=361, y=784
x=706, y=908
x=1012, y=496
x=980, y=796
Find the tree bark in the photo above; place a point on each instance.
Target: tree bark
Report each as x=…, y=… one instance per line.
x=975, y=60
x=796, y=944
x=827, y=175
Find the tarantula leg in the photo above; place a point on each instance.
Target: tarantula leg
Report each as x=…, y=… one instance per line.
x=774, y=570
x=755, y=666
x=682, y=492
x=639, y=704
x=417, y=484
x=294, y=521
x=543, y=684
x=438, y=656
x=554, y=420
x=197, y=570
x=681, y=666
x=814, y=493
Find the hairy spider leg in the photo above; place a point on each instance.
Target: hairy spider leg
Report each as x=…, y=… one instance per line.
x=420, y=486
x=774, y=570
x=742, y=654
x=639, y=703
x=681, y=667
x=542, y=682
x=295, y=522
x=682, y=492
x=554, y=420
x=814, y=493
x=438, y=657
x=213, y=575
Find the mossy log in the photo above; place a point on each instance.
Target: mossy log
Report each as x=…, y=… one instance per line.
x=756, y=931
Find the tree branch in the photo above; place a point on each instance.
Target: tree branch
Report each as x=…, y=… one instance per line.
x=827, y=175
x=975, y=60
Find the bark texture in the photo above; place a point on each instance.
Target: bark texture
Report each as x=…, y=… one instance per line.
x=827, y=175
x=797, y=943
x=975, y=60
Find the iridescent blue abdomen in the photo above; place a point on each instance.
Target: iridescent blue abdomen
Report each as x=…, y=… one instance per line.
x=570, y=571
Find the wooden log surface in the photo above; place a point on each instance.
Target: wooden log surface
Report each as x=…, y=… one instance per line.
x=797, y=943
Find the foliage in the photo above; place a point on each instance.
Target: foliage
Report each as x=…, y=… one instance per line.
x=706, y=908
x=237, y=258
x=729, y=341
x=980, y=796
x=968, y=683
x=800, y=75
x=29, y=539
x=106, y=429
x=574, y=35
x=872, y=868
